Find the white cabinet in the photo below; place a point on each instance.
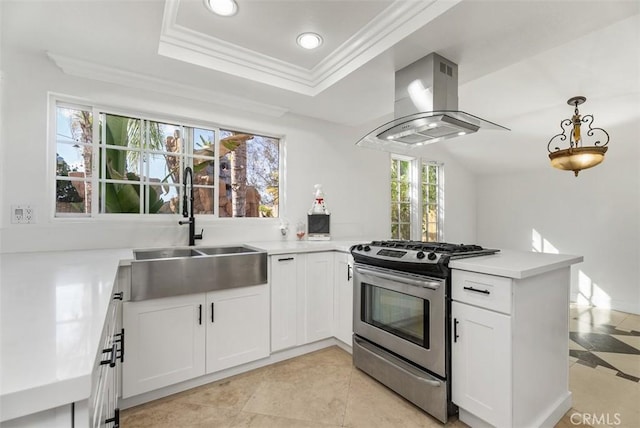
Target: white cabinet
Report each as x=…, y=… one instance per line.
x=481, y=361
x=178, y=338
x=301, y=298
x=165, y=342
x=343, y=297
x=318, y=299
x=285, y=277
x=509, y=348
x=237, y=327
x=102, y=405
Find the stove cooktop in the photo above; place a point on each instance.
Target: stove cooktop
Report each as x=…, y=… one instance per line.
x=415, y=256
x=436, y=247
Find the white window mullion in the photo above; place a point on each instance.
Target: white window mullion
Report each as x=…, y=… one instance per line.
x=216, y=174
x=103, y=164
x=143, y=166
x=183, y=163
x=441, y=202
x=416, y=200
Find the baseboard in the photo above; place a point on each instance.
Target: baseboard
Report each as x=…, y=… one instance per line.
x=556, y=412
x=472, y=420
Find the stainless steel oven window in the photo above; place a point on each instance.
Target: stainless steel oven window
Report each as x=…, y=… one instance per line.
x=400, y=314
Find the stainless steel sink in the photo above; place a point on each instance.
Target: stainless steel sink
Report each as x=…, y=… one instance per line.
x=169, y=272
x=214, y=251
x=165, y=253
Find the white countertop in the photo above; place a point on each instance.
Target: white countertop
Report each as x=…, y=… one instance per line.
x=515, y=264
x=304, y=246
x=53, y=309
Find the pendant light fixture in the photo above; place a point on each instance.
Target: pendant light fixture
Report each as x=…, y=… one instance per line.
x=577, y=156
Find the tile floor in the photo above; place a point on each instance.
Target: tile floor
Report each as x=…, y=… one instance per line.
x=604, y=366
x=323, y=389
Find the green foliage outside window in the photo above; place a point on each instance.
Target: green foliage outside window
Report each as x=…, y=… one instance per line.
x=140, y=166
x=427, y=199
x=125, y=197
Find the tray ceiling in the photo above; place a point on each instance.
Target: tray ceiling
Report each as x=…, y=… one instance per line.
x=259, y=42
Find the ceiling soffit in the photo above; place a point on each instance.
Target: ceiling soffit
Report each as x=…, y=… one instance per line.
x=393, y=24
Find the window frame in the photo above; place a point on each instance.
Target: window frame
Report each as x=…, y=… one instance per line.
x=60, y=100
x=439, y=205
x=417, y=204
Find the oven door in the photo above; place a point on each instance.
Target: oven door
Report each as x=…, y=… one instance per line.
x=402, y=312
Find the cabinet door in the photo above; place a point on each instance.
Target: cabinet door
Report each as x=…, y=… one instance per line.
x=481, y=363
x=237, y=326
x=165, y=341
x=318, y=296
x=343, y=297
x=284, y=301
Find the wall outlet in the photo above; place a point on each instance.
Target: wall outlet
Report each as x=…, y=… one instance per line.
x=22, y=214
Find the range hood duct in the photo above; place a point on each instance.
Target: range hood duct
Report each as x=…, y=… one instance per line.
x=426, y=109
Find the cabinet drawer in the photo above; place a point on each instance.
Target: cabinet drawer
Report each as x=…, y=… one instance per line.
x=486, y=291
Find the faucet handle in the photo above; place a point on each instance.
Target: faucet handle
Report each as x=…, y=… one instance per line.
x=199, y=235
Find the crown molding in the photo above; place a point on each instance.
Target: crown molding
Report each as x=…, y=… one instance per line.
x=95, y=71
x=393, y=24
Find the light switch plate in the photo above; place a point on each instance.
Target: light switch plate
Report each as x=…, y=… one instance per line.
x=22, y=214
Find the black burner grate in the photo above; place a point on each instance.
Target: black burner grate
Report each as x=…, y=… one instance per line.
x=436, y=247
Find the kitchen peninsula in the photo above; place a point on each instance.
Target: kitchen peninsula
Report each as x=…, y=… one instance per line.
x=61, y=308
x=509, y=350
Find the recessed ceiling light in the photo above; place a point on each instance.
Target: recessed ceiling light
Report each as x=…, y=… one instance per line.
x=461, y=133
x=309, y=40
x=222, y=7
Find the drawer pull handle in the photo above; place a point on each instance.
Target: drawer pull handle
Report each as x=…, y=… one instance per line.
x=285, y=259
x=212, y=312
x=349, y=272
x=200, y=314
x=118, y=296
x=112, y=358
x=455, y=330
x=119, y=338
x=487, y=292
x=115, y=419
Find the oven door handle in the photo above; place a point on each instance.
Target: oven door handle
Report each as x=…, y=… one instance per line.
x=431, y=382
x=433, y=285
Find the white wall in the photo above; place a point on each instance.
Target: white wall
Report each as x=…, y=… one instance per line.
x=596, y=215
x=1, y=120
x=355, y=180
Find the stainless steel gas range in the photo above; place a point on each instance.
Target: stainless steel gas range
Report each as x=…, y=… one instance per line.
x=401, y=322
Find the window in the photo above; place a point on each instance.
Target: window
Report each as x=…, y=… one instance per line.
x=416, y=199
x=401, y=199
x=111, y=164
x=431, y=192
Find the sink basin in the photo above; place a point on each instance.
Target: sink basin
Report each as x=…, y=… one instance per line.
x=170, y=272
x=226, y=250
x=165, y=253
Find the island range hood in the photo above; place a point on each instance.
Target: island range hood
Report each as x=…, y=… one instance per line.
x=426, y=109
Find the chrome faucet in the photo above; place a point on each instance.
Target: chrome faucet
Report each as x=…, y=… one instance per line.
x=187, y=211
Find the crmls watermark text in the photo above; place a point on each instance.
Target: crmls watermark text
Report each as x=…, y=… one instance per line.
x=596, y=419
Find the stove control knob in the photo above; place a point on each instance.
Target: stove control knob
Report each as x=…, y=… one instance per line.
x=420, y=255
x=367, y=248
x=359, y=248
x=432, y=256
